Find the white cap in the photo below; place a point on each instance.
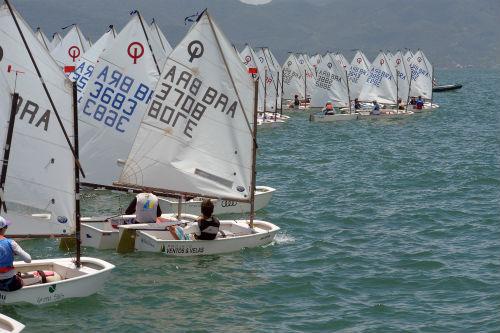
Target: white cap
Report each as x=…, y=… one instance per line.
x=4, y=222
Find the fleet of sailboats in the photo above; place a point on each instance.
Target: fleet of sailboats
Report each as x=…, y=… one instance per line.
x=131, y=113
x=39, y=179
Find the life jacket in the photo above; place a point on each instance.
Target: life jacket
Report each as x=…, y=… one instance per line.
x=146, y=208
x=209, y=228
x=6, y=255
x=419, y=104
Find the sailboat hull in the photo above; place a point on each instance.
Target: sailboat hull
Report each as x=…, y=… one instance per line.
x=238, y=236
x=9, y=325
x=102, y=233
x=76, y=282
x=263, y=195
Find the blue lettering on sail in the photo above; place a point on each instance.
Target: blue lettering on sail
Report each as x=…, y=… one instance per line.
x=114, y=97
x=376, y=76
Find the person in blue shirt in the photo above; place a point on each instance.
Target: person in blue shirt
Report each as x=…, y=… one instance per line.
x=376, y=109
x=419, y=103
x=9, y=280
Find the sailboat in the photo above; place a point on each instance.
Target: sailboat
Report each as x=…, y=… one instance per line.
x=56, y=40
x=71, y=47
x=381, y=86
x=331, y=85
x=203, y=144
x=358, y=73
x=39, y=180
x=84, y=67
x=293, y=80
x=9, y=325
x=42, y=38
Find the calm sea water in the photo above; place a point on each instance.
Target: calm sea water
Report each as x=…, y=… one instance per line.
x=387, y=226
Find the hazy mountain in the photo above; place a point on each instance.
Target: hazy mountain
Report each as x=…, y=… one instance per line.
x=449, y=31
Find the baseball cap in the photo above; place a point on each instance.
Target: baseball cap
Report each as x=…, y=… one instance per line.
x=4, y=222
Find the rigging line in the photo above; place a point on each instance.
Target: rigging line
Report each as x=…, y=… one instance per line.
x=147, y=39
x=44, y=86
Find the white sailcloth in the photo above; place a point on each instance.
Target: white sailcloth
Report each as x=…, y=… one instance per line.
x=342, y=61
x=155, y=29
x=196, y=135
x=86, y=64
x=71, y=48
x=42, y=38
x=275, y=75
x=293, y=78
x=40, y=174
x=56, y=39
x=252, y=63
x=309, y=72
x=421, y=76
x=113, y=102
x=380, y=84
x=269, y=76
x=402, y=71
x=331, y=84
x=160, y=51
x=357, y=74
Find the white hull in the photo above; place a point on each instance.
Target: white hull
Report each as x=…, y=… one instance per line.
x=263, y=195
x=9, y=325
x=238, y=236
x=37, y=224
x=322, y=118
x=76, y=282
x=390, y=114
x=102, y=233
x=269, y=123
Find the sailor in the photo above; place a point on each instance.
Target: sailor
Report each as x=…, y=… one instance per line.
x=419, y=103
x=328, y=110
x=376, y=109
x=9, y=280
x=296, y=102
x=413, y=101
x=401, y=105
x=207, y=226
x=146, y=208
x=357, y=105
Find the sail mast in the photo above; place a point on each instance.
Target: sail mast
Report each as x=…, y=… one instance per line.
x=254, y=155
x=44, y=86
x=147, y=39
x=6, y=152
x=77, y=178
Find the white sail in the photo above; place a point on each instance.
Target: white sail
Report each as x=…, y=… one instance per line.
x=342, y=61
x=42, y=38
x=380, y=84
x=357, y=74
x=293, y=78
x=309, y=73
x=316, y=60
x=160, y=50
x=401, y=70
x=421, y=76
x=71, y=48
x=56, y=40
x=155, y=29
x=270, y=77
x=256, y=69
x=85, y=66
x=196, y=136
x=331, y=84
x=113, y=102
x=275, y=76
x=40, y=174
